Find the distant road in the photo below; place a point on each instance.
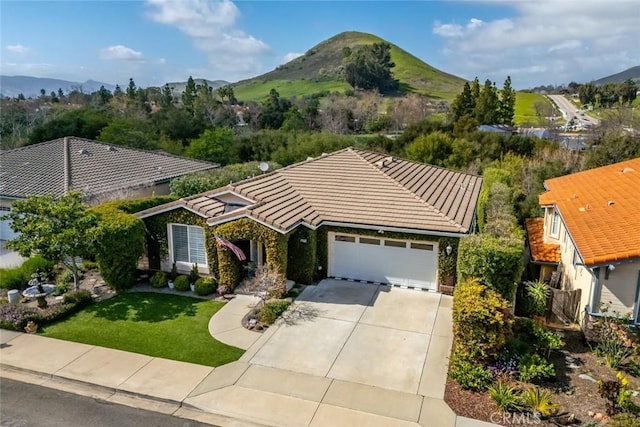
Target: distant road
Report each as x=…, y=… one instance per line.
x=568, y=110
x=26, y=405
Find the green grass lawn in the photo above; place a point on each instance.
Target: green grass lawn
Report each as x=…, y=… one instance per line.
x=525, y=111
x=167, y=326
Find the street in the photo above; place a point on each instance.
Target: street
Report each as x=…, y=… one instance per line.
x=568, y=110
x=26, y=405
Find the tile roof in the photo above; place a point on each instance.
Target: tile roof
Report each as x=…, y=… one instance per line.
x=353, y=187
x=601, y=210
x=540, y=251
x=55, y=167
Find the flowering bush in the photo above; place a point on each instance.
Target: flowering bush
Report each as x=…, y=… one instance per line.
x=615, y=342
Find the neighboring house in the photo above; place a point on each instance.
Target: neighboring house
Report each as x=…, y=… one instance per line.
x=541, y=133
x=590, y=235
x=499, y=129
x=350, y=214
x=98, y=170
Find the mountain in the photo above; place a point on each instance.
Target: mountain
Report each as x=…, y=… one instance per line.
x=319, y=69
x=178, y=87
x=13, y=86
x=632, y=73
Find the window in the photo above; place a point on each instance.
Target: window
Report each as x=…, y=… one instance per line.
x=349, y=239
x=188, y=244
x=395, y=243
x=368, y=241
x=422, y=246
x=555, y=224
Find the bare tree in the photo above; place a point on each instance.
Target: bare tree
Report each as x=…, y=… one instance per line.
x=265, y=284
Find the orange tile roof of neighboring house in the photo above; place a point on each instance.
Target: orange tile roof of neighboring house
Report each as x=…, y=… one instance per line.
x=353, y=187
x=540, y=251
x=601, y=210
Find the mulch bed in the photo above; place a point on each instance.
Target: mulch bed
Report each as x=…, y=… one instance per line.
x=574, y=395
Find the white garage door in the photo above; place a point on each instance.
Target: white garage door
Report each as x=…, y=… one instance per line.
x=6, y=233
x=397, y=262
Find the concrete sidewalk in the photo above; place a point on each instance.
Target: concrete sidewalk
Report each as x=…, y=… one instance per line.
x=237, y=394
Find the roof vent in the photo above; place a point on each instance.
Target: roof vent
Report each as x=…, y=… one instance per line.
x=627, y=170
x=112, y=149
x=381, y=163
x=389, y=159
x=610, y=203
x=83, y=151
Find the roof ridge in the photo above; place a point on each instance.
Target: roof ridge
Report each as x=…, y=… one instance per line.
x=397, y=183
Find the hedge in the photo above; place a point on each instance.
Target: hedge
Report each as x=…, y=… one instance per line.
x=137, y=205
x=489, y=177
x=119, y=244
x=18, y=277
x=496, y=261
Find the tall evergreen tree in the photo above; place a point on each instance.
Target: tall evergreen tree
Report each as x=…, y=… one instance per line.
x=475, y=90
x=463, y=104
x=189, y=94
x=507, y=103
x=486, y=110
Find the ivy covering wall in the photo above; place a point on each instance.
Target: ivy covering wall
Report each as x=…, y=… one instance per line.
x=229, y=267
x=301, y=262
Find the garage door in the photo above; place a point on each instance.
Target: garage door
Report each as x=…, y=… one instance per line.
x=397, y=262
x=6, y=233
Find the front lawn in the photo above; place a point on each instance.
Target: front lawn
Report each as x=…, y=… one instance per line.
x=167, y=326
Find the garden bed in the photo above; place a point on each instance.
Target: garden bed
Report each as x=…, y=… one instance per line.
x=573, y=395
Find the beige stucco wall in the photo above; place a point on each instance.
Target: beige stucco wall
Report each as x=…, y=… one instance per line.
x=620, y=288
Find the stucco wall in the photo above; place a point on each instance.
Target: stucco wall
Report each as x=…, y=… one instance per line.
x=620, y=287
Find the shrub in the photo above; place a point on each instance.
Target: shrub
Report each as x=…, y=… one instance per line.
x=37, y=263
x=158, y=280
x=537, y=296
x=618, y=395
x=222, y=290
x=119, y=238
x=64, y=278
x=181, y=283
x=624, y=420
x=88, y=265
x=538, y=401
x=61, y=288
x=193, y=274
x=533, y=367
x=505, y=396
x=615, y=341
x=14, y=316
x=81, y=297
x=13, y=278
x=204, y=286
x=270, y=311
x=495, y=261
x=469, y=374
x=481, y=321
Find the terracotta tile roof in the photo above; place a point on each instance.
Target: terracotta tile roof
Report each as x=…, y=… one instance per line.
x=353, y=187
x=540, y=251
x=55, y=167
x=601, y=210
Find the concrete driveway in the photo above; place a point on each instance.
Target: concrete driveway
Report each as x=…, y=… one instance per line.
x=366, y=334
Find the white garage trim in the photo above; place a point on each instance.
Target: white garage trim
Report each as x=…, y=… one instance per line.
x=402, y=262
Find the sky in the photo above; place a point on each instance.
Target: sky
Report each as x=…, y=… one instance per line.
x=536, y=42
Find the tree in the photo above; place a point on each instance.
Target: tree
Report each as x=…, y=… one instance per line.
x=214, y=145
x=507, y=104
x=189, y=95
x=273, y=111
x=370, y=68
x=486, y=109
x=433, y=149
x=265, y=284
x=464, y=104
x=58, y=230
x=166, y=98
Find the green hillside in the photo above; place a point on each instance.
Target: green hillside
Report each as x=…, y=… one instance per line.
x=632, y=73
x=319, y=69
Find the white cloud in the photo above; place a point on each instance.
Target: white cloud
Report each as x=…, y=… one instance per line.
x=17, y=48
x=291, y=56
x=547, y=41
x=211, y=25
x=120, y=52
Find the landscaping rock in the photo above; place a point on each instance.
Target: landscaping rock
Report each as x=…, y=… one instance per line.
x=569, y=359
x=572, y=366
x=587, y=377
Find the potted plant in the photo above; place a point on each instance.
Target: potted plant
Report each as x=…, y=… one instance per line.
x=172, y=275
x=193, y=276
